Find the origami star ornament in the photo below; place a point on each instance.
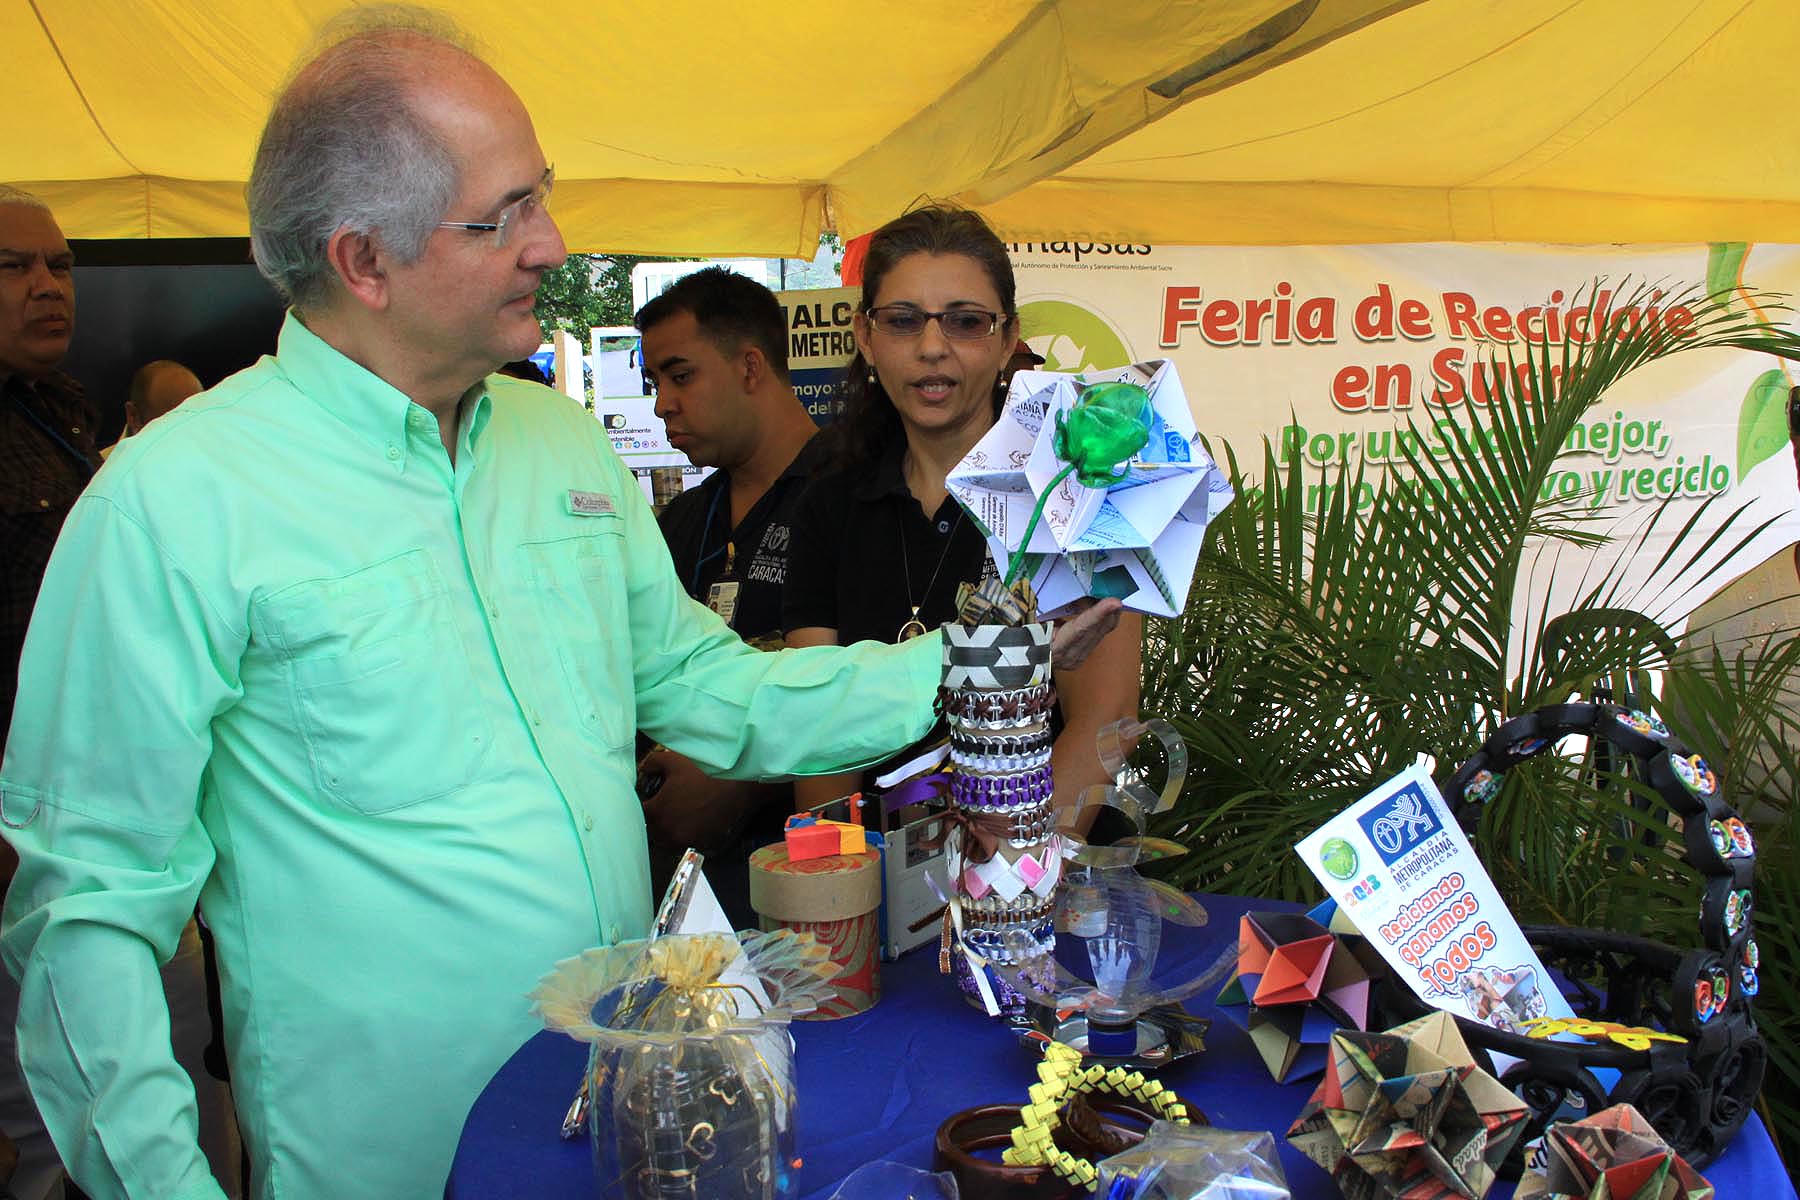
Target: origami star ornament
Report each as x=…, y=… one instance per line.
x=1112, y=463
x=1297, y=983
x=1612, y=1155
x=1408, y=1114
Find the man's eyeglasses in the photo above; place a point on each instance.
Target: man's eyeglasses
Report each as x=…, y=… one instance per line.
x=959, y=324
x=513, y=216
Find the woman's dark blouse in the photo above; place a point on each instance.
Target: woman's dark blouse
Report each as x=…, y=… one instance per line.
x=847, y=570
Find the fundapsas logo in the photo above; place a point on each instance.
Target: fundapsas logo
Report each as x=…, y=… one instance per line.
x=613, y=420
x=1071, y=336
x=1076, y=250
x=1401, y=823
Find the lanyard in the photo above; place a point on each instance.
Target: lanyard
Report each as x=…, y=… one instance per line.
x=712, y=509
x=50, y=432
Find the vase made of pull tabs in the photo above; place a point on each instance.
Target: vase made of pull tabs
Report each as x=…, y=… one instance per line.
x=1002, y=853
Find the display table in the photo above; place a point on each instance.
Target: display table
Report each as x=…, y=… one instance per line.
x=876, y=1086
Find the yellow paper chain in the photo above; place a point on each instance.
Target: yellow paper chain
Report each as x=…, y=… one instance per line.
x=1632, y=1037
x=1060, y=1077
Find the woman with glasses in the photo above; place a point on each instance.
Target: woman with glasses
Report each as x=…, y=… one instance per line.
x=880, y=548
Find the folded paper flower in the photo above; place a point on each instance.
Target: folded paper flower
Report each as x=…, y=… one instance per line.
x=1407, y=1113
x=1296, y=984
x=1612, y=1155
x=1125, y=487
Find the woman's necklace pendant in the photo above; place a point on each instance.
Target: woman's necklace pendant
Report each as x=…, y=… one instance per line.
x=913, y=628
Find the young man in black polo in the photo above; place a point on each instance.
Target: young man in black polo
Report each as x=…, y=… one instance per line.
x=715, y=347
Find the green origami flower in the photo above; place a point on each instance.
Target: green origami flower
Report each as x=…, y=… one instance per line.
x=1106, y=426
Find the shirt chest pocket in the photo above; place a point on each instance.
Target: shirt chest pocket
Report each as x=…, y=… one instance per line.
x=579, y=585
x=382, y=688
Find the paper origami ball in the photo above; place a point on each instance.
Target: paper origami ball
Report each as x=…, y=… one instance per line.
x=1297, y=983
x=1138, y=536
x=1612, y=1155
x=1407, y=1113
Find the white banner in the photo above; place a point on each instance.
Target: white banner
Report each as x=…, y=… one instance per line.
x=1327, y=351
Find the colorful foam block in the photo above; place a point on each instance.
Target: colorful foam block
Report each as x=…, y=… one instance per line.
x=808, y=837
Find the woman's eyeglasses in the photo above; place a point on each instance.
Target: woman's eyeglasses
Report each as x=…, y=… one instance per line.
x=958, y=324
x=513, y=216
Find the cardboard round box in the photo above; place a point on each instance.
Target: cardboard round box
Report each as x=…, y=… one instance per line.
x=835, y=899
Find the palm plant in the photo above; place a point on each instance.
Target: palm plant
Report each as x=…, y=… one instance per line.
x=1325, y=646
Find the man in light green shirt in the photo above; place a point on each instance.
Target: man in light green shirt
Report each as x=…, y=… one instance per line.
x=351, y=649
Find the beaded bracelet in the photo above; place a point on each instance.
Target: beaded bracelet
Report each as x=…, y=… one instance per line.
x=1061, y=1076
x=992, y=710
x=1002, y=791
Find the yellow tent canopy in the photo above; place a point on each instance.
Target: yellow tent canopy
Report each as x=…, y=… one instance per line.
x=696, y=127
x=1466, y=120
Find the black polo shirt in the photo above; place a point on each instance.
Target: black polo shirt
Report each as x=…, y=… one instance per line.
x=865, y=552
x=696, y=526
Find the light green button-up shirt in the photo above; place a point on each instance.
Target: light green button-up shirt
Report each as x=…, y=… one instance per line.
x=376, y=713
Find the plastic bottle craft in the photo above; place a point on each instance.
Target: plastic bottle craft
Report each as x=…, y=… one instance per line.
x=691, y=1069
x=1121, y=1013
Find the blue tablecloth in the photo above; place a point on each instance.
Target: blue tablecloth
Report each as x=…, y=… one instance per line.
x=876, y=1086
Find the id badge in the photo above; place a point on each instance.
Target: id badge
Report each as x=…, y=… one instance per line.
x=722, y=598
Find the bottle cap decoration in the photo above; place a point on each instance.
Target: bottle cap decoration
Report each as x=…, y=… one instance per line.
x=1695, y=1076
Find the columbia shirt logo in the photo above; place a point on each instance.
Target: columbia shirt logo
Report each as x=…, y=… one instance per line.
x=590, y=504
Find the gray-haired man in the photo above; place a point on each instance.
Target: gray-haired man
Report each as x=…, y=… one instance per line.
x=392, y=623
